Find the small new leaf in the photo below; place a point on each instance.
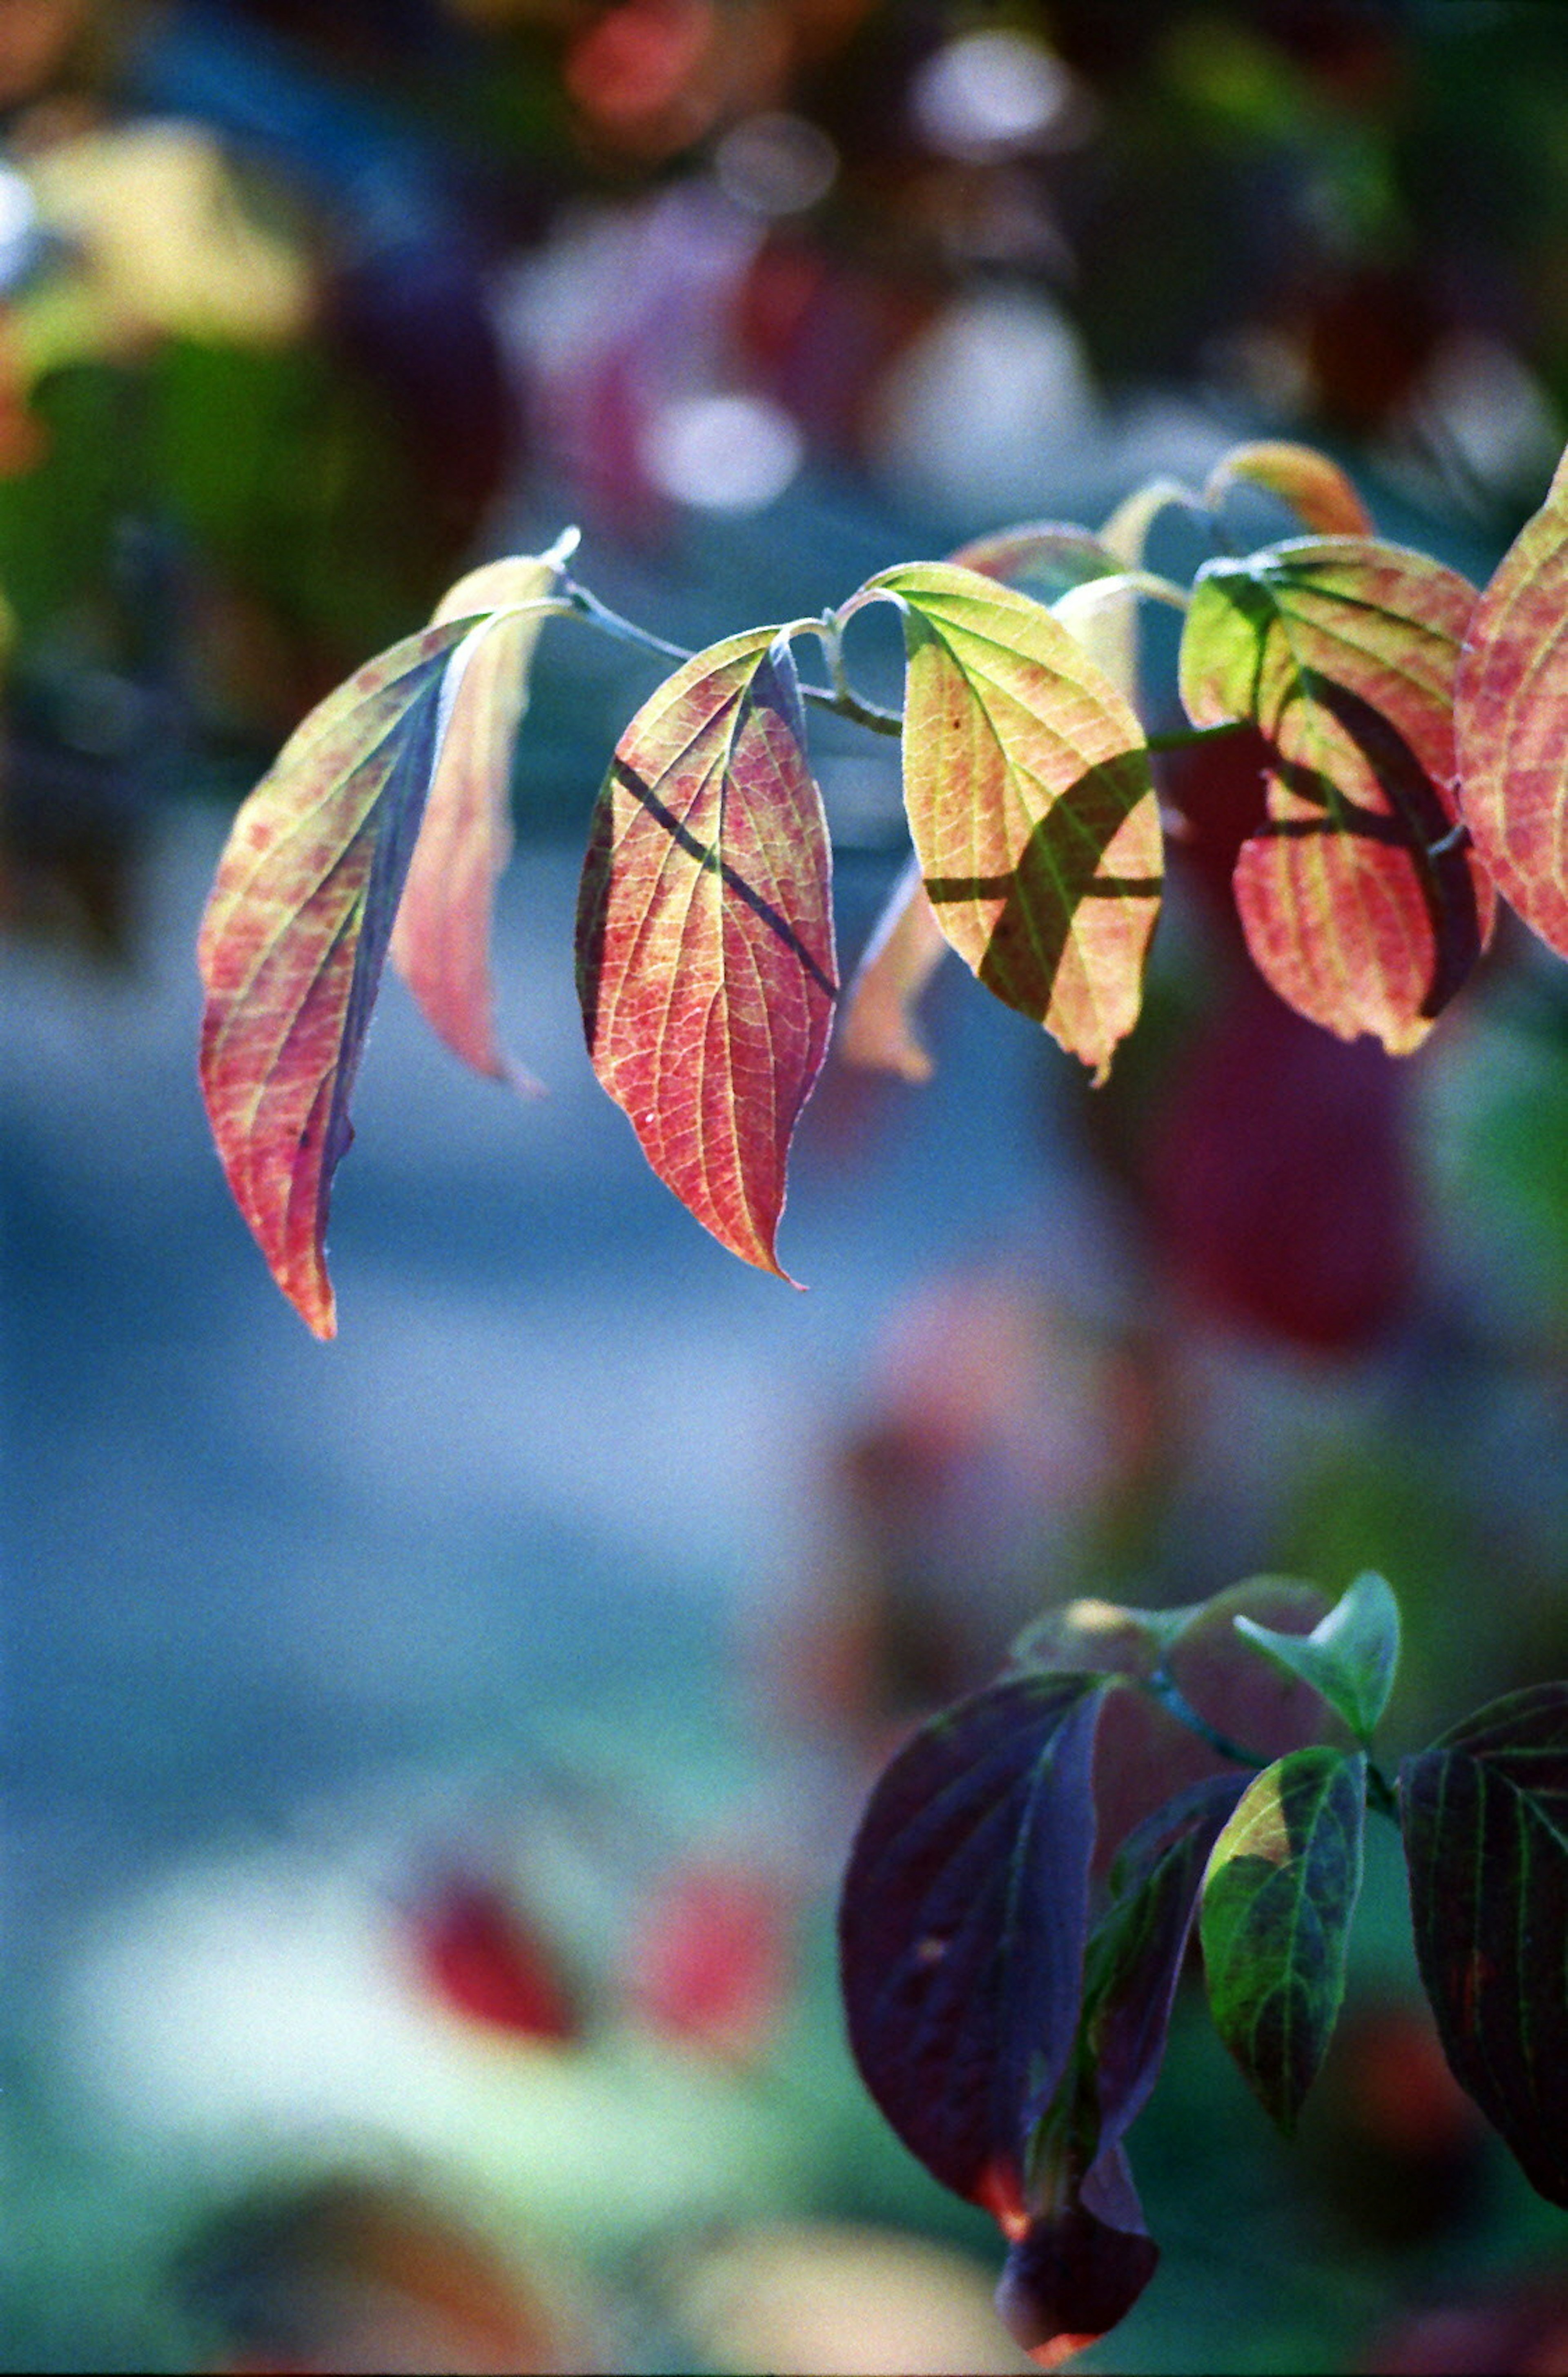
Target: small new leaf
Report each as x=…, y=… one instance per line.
x=1026, y=781
x=1350, y=1656
x=1317, y=490
x=1508, y=708
x=962, y=1926
x=441, y=940
x=1044, y=559
x=1485, y=1818
x=704, y=935
x=1278, y=1895
x=1359, y=900
x=294, y=938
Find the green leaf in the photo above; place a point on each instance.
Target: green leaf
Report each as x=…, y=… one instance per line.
x=1349, y=1657
x=1360, y=902
x=704, y=935
x=1278, y=1895
x=294, y=938
x=1484, y=1813
x=1027, y=780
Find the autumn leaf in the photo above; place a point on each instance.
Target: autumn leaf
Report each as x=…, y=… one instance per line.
x=442, y=938
x=1359, y=902
x=704, y=935
x=293, y=940
x=1316, y=489
x=1027, y=783
x=1509, y=711
x=877, y=1027
x=1042, y=558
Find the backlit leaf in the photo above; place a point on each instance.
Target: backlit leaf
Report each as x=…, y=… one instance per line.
x=1026, y=781
x=1317, y=490
x=1512, y=697
x=1349, y=1657
x=877, y=1027
x=1126, y=532
x=1042, y=558
x=293, y=940
x=704, y=935
x=1278, y=1895
x=1485, y=1819
x=1360, y=902
x=441, y=940
x=962, y=1927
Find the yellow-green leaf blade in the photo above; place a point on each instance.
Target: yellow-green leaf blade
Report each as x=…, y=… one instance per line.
x=293, y=940
x=1030, y=801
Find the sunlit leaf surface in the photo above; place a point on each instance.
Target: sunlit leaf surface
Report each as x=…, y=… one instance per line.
x=1485, y=1818
x=441, y=940
x=704, y=935
x=1026, y=781
x=293, y=940
x=1316, y=489
x=1511, y=700
x=1359, y=900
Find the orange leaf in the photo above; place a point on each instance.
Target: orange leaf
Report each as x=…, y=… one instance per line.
x=1510, y=708
x=704, y=935
x=293, y=940
x=1360, y=903
x=1317, y=490
x=1026, y=781
x=877, y=1028
x=441, y=940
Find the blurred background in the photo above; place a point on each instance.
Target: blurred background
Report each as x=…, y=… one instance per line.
x=428, y=1759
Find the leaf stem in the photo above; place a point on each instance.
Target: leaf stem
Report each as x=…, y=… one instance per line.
x=588, y=607
x=1163, y=1687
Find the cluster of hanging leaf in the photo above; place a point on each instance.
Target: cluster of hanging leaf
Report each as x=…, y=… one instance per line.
x=1026, y=1877
x=1408, y=734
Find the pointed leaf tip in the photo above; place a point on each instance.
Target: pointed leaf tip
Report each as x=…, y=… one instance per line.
x=1031, y=804
x=1361, y=904
x=1350, y=1656
x=1320, y=494
x=706, y=967
x=293, y=943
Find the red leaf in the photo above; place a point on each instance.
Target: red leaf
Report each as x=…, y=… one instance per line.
x=293, y=940
x=1360, y=903
x=709, y=1963
x=704, y=935
x=877, y=1028
x=478, y=1959
x=1509, y=707
x=441, y=940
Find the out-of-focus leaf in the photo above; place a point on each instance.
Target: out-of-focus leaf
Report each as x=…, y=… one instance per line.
x=877, y=1027
x=704, y=935
x=294, y=938
x=1026, y=781
x=962, y=1927
x=1359, y=902
x=1316, y=489
x=1278, y=1895
x=1086, y=2256
x=709, y=1961
x=1349, y=1657
x=477, y=1957
x=441, y=940
x=1485, y=1818
x=1126, y=532
x=1042, y=558
x=1510, y=704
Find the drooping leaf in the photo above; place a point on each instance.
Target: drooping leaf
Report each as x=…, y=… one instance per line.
x=1349, y=1657
x=1085, y=2255
x=1485, y=1818
x=963, y=1925
x=1317, y=490
x=1126, y=532
x=1278, y=1895
x=1044, y=559
x=293, y=940
x=1361, y=904
x=1509, y=709
x=441, y=940
x=704, y=935
x=1026, y=781
x=877, y=1024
